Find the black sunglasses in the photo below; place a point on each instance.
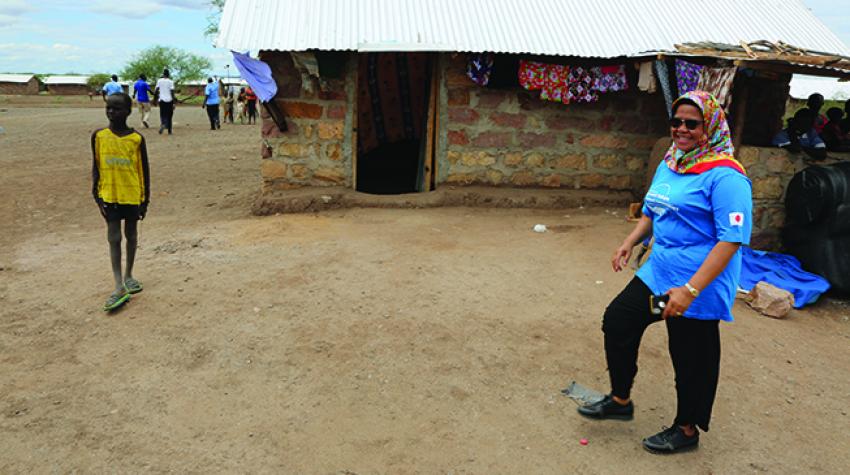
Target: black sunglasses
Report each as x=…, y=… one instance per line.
x=691, y=124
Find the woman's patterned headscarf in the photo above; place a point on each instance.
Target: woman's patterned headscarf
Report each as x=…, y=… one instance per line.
x=714, y=149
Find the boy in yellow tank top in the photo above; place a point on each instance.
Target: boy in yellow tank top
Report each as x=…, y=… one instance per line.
x=121, y=189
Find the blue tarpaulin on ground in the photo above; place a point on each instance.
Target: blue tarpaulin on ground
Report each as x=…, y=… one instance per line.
x=783, y=271
x=258, y=74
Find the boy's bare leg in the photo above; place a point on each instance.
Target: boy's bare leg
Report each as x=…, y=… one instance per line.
x=113, y=235
x=131, y=233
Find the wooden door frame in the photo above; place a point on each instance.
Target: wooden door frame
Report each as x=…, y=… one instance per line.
x=431, y=130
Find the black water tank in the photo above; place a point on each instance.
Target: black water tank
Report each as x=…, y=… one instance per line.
x=817, y=231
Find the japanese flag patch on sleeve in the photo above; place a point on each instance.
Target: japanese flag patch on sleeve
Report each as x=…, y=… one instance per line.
x=736, y=219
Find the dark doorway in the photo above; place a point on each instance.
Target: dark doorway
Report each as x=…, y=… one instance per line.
x=392, y=111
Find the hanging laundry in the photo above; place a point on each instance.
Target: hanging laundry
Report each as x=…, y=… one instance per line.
x=664, y=79
x=555, y=84
x=610, y=78
x=687, y=76
x=258, y=75
x=480, y=67
x=580, y=86
x=532, y=75
x=718, y=82
x=646, y=78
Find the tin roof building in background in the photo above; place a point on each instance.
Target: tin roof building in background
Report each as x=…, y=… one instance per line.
x=19, y=84
x=66, y=80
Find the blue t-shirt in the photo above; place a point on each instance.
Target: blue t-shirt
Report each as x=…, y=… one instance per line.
x=810, y=139
x=690, y=213
x=112, y=87
x=211, y=91
x=141, y=88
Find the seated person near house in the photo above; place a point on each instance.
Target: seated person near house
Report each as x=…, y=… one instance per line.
x=800, y=135
x=814, y=104
x=833, y=135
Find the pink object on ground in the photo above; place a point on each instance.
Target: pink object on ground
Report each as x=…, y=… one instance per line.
x=583, y=442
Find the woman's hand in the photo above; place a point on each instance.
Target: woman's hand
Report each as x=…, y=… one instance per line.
x=680, y=300
x=621, y=257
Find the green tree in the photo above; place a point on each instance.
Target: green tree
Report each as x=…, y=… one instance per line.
x=96, y=81
x=183, y=65
x=217, y=6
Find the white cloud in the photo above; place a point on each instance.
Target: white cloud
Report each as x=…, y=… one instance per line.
x=8, y=20
x=134, y=11
x=141, y=9
x=14, y=7
x=186, y=4
x=11, y=11
x=63, y=47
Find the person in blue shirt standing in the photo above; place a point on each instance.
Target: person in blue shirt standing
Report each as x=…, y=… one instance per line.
x=211, y=102
x=112, y=87
x=141, y=88
x=699, y=209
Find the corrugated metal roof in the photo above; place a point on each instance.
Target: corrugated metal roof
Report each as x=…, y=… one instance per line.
x=19, y=78
x=56, y=80
x=594, y=28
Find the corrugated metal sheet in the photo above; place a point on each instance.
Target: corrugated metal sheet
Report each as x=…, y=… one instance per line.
x=16, y=78
x=595, y=28
x=56, y=80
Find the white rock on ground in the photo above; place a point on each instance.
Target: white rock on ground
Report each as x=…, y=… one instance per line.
x=770, y=300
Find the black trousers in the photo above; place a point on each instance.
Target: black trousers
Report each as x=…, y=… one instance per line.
x=166, y=113
x=212, y=113
x=694, y=347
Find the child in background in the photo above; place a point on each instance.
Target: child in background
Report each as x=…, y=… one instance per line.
x=251, y=105
x=228, y=106
x=240, y=106
x=835, y=138
x=121, y=189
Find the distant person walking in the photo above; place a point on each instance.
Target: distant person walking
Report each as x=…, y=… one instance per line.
x=251, y=101
x=112, y=87
x=165, y=93
x=141, y=88
x=211, y=102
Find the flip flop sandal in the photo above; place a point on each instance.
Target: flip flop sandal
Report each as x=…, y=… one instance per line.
x=115, y=300
x=133, y=286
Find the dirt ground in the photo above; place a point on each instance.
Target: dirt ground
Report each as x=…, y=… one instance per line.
x=352, y=341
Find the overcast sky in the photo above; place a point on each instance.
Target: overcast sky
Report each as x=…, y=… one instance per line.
x=90, y=36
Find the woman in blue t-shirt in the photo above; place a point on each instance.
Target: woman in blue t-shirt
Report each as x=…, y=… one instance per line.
x=699, y=210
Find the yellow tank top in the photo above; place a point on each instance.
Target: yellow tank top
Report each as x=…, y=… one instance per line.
x=119, y=162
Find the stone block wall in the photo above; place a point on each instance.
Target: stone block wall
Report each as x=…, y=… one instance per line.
x=770, y=170
x=509, y=137
x=316, y=148
x=19, y=88
x=69, y=89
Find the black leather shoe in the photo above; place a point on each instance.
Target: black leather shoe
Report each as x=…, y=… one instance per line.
x=608, y=408
x=670, y=441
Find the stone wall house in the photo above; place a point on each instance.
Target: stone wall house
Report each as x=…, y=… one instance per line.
x=507, y=137
x=19, y=84
x=503, y=137
x=67, y=85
